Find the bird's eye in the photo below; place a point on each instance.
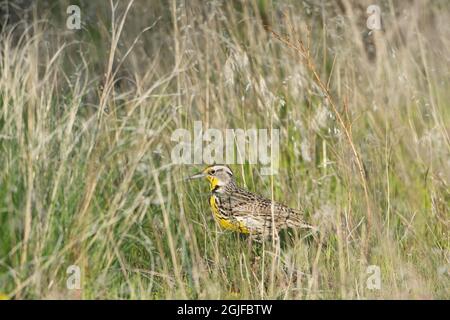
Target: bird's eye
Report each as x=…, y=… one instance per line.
x=212, y=171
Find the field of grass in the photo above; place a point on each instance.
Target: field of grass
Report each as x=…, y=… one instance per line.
x=87, y=179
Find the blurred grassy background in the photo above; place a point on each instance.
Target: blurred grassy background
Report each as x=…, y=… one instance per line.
x=86, y=118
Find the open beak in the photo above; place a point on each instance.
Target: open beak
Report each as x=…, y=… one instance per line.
x=197, y=176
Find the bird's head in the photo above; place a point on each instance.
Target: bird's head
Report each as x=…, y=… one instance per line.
x=218, y=176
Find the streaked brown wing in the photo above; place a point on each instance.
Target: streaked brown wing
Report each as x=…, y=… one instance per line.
x=252, y=204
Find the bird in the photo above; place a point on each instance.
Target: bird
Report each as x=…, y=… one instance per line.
x=245, y=212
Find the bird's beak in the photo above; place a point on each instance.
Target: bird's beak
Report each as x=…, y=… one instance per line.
x=197, y=176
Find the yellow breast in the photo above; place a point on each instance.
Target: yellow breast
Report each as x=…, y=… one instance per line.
x=223, y=221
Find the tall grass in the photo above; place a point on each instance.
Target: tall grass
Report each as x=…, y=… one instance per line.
x=87, y=179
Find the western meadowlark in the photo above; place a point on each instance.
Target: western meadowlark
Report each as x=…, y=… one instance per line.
x=237, y=209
